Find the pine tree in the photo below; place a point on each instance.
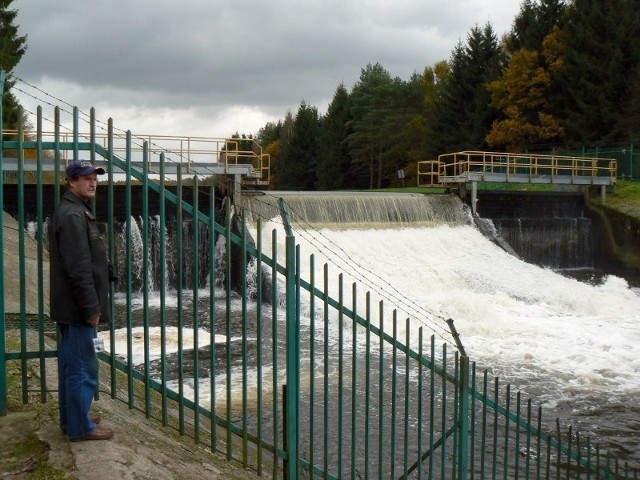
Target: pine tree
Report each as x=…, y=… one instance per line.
x=463, y=114
x=12, y=48
x=334, y=159
x=533, y=23
x=602, y=55
x=370, y=102
x=297, y=167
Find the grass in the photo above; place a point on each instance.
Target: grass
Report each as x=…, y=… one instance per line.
x=626, y=197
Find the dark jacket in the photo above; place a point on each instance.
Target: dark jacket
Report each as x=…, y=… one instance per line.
x=78, y=264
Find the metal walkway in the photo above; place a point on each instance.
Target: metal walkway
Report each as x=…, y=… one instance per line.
x=202, y=156
x=460, y=168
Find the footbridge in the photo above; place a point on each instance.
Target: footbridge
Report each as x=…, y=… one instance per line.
x=456, y=170
x=203, y=156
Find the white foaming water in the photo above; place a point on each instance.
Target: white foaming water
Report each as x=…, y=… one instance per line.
x=172, y=343
x=524, y=322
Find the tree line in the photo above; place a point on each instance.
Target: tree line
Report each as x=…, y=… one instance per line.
x=567, y=73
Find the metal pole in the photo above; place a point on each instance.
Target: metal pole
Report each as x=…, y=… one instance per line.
x=3, y=359
x=463, y=406
x=292, y=348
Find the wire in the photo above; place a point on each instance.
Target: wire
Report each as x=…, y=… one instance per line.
x=337, y=254
x=100, y=124
x=315, y=237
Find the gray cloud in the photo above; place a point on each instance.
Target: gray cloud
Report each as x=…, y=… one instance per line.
x=216, y=55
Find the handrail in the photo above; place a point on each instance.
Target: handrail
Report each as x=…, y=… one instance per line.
x=532, y=168
x=188, y=149
x=517, y=163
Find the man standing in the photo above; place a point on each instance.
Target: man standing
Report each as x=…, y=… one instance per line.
x=79, y=300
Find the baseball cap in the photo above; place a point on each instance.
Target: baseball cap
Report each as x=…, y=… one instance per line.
x=79, y=168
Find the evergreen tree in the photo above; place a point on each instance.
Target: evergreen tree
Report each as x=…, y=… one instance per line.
x=533, y=23
x=433, y=81
x=12, y=48
x=369, y=105
x=333, y=164
x=463, y=114
x=631, y=112
x=602, y=54
x=298, y=164
x=382, y=109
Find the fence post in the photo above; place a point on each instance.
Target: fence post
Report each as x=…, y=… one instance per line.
x=292, y=348
x=463, y=406
x=463, y=416
x=3, y=359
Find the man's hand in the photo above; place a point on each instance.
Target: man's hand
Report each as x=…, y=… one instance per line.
x=94, y=321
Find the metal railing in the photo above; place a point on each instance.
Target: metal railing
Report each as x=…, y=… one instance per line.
x=224, y=341
x=192, y=153
x=460, y=167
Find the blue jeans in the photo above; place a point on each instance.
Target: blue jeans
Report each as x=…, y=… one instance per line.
x=77, y=379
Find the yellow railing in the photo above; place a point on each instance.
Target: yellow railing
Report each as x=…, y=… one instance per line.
x=186, y=150
x=500, y=166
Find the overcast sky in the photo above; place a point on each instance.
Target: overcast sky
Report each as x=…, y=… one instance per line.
x=216, y=67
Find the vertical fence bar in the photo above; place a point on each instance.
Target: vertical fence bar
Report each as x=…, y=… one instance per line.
x=3, y=346
x=463, y=418
x=483, y=447
x=340, y=367
x=367, y=388
x=456, y=413
x=163, y=290
x=312, y=362
x=506, y=432
x=517, y=434
x=354, y=385
x=472, y=424
x=213, y=325
x=293, y=357
x=179, y=297
x=494, y=460
x=146, y=247
x=195, y=224
x=394, y=392
x=432, y=408
x=381, y=376
x=243, y=281
x=443, y=449
x=76, y=133
x=228, y=325
x=420, y=400
x=407, y=366
x=259, y=367
x=274, y=353
x=22, y=266
x=112, y=254
x=325, y=400
x=40, y=239
x=129, y=271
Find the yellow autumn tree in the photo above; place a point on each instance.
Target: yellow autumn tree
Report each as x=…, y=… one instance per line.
x=523, y=95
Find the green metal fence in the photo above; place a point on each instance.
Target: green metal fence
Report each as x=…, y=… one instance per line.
x=627, y=156
x=289, y=376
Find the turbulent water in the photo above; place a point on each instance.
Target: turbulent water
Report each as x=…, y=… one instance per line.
x=573, y=347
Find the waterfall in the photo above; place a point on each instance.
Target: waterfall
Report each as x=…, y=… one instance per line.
x=345, y=209
x=134, y=243
x=563, y=243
